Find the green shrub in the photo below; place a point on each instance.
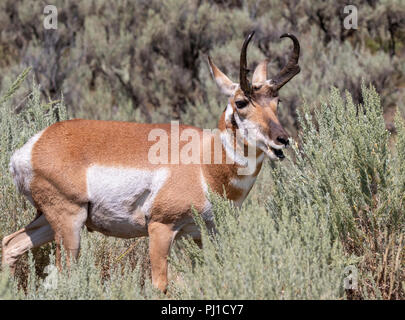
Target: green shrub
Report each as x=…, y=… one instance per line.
x=257, y=256
x=346, y=173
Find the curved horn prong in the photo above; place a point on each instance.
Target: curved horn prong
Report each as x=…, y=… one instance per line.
x=243, y=80
x=291, y=68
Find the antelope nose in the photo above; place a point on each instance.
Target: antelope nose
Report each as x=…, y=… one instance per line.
x=283, y=140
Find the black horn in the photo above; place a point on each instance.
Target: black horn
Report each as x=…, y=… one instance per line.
x=291, y=68
x=243, y=80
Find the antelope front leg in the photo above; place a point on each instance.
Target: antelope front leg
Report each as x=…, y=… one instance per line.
x=160, y=240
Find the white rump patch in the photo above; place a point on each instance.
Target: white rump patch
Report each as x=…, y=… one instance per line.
x=121, y=198
x=21, y=166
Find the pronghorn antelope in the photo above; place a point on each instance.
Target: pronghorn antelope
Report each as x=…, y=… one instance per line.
x=97, y=173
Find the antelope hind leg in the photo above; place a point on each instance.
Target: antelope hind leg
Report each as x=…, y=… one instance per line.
x=37, y=233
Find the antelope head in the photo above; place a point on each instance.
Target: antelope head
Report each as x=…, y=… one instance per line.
x=252, y=107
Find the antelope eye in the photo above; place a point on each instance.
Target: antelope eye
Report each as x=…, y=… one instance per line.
x=241, y=103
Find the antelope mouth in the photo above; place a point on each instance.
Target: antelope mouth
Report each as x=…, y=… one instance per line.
x=275, y=153
x=278, y=153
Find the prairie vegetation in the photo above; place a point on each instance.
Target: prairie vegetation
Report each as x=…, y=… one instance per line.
x=337, y=200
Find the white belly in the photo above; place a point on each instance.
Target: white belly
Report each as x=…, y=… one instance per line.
x=121, y=199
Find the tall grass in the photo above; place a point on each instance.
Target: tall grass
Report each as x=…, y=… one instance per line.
x=337, y=201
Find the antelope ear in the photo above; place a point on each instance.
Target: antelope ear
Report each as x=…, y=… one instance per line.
x=260, y=74
x=223, y=82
